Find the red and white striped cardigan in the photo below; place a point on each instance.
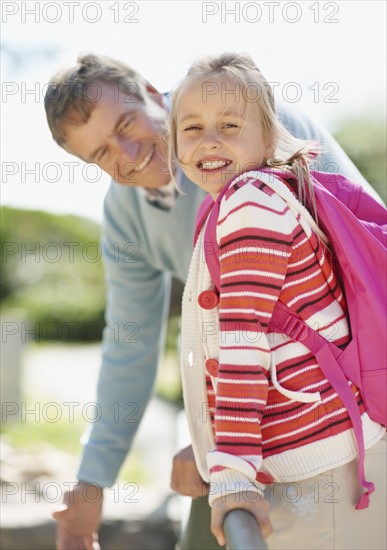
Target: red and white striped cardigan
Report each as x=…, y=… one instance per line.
x=258, y=406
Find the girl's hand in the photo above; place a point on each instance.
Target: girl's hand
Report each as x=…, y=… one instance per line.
x=250, y=501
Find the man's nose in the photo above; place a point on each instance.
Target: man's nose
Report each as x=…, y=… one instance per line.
x=127, y=148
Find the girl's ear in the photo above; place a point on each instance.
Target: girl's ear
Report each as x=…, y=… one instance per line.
x=269, y=136
x=270, y=149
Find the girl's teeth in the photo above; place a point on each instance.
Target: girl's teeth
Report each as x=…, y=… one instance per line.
x=212, y=165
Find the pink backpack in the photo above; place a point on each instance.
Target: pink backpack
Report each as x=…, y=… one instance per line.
x=356, y=227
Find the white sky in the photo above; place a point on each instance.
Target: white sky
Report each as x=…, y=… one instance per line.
x=334, y=52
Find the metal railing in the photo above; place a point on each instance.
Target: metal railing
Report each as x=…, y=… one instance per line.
x=242, y=531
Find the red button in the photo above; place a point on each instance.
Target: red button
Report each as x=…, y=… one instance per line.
x=263, y=477
x=212, y=367
x=208, y=299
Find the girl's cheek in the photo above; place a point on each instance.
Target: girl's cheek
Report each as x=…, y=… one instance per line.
x=181, y=150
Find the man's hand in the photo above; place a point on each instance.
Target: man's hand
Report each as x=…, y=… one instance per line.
x=79, y=518
x=258, y=507
x=185, y=478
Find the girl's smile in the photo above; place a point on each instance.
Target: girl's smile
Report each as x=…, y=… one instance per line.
x=212, y=164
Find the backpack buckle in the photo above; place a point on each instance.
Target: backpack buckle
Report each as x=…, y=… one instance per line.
x=295, y=329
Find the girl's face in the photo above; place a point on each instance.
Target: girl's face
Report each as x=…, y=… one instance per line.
x=219, y=136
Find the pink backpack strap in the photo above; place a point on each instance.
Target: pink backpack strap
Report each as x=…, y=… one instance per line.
x=202, y=214
x=284, y=320
x=211, y=248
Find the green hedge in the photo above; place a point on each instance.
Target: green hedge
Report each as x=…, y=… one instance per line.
x=364, y=141
x=52, y=271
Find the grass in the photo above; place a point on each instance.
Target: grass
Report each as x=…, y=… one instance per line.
x=31, y=435
x=35, y=436
x=35, y=431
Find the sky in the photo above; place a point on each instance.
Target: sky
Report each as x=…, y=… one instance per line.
x=326, y=58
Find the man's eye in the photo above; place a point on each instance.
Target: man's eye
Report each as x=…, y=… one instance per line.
x=101, y=155
x=125, y=125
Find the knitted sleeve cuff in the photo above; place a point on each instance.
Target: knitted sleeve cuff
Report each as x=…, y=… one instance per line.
x=246, y=465
x=227, y=481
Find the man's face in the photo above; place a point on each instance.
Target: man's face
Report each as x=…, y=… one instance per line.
x=123, y=136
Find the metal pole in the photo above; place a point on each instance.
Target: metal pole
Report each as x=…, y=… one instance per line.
x=242, y=531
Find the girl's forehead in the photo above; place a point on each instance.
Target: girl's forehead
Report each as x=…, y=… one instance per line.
x=219, y=89
x=212, y=85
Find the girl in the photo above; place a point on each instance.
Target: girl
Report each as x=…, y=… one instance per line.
x=262, y=415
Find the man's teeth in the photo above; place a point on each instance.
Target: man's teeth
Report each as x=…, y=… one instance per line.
x=213, y=164
x=146, y=160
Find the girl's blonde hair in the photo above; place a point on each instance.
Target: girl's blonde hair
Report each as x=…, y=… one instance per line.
x=291, y=154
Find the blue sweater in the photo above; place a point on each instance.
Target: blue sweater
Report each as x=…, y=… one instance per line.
x=143, y=247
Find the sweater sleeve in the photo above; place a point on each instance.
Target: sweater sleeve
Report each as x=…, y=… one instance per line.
x=255, y=236
x=132, y=341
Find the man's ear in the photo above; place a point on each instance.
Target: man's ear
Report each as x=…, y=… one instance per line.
x=154, y=94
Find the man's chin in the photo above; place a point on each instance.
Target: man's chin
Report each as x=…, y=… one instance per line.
x=161, y=177
x=130, y=181
x=147, y=183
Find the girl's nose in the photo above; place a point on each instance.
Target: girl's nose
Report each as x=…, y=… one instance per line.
x=210, y=141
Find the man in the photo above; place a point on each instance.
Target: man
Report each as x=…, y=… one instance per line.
x=103, y=112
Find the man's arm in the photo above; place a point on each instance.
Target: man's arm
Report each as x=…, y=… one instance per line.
x=137, y=305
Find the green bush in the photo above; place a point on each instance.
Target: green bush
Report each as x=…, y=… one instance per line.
x=364, y=141
x=52, y=271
